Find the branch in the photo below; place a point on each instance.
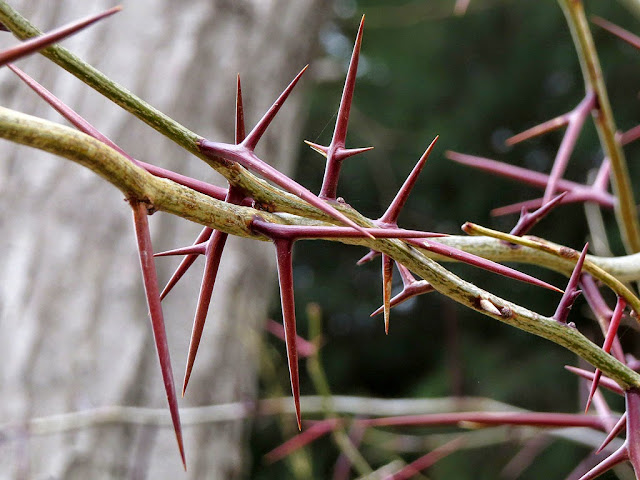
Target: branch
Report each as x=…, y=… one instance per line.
x=592, y=72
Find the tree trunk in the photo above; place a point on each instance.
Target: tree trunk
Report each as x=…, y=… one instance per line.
x=75, y=332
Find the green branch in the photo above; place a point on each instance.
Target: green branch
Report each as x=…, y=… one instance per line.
x=165, y=195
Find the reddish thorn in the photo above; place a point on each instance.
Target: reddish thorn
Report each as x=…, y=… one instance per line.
x=411, y=288
x=322, y=150
x=215, y=246
x=528, y=220
x=520, y=174
x=392, y=213
x=545, y=127
x=368, y=257
x=340, y=131
x=608, y=342
x=576, y=120
x=571, y=292
x=485, y=264
x=312, y=433
x=305, y=347
x=252, y=139
x=604, y=381
x=195, y=250
x=240, y=133
x=150, y=279
x=285, y=276
x=38, y=43
x=620, y=425
x=205, y=234
x=617, y=31
x=387, y=279
x=335, y=153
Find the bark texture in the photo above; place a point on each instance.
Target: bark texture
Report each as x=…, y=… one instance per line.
x=73, y=322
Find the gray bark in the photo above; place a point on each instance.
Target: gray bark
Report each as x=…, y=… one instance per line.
x=73, y=321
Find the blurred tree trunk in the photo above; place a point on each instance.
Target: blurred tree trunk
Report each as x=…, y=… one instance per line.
x=75, y=333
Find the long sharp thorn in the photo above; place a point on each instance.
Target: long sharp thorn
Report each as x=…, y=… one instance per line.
x=252, y=139
x=38, y=43
x=387, y=280
x=309, y=435
x=213, y=254
x=485, y=264
x=608, y=343
x=145, y=250
x=619, y=427
x=240, y=133
x=571, y=292
x=336, y=152
x=340, y=131
x=392, y=213
x=205, y=234
x=285, y=277
x=617, y=31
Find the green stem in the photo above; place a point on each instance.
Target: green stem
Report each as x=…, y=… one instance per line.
x=625, y=207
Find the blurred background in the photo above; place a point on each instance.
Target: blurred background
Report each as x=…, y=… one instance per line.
x=474, y=79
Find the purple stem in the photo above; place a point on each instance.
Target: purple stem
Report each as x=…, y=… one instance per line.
x=617, y=31
x=38, y=43
x=576, y=121
x=538, y=419
x=145, y=250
